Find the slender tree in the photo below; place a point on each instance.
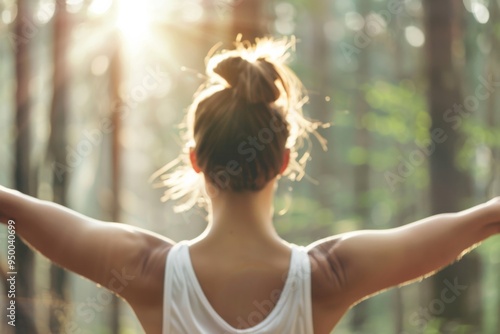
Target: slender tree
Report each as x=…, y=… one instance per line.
x=450, y=187
x=56, y=148
x=362, y=141
x=320, y=69
x=116, y=171
x=248, y=20
x=400, y=216
x=24, y=180
x=492, y=121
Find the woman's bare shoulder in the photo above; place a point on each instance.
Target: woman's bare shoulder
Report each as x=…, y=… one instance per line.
x=152, y=269
x=328, y=293
x=327, y=272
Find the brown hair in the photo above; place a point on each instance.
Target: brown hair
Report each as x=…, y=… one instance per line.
x=242, y=119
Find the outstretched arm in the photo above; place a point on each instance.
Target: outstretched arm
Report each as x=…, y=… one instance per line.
x=370, y=261
x=111, y=254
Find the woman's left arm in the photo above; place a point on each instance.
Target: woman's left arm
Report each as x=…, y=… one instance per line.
x=371, y=261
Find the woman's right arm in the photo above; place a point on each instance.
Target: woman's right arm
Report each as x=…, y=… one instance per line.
x=111, y=254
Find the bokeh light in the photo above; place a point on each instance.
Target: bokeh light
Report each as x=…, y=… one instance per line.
x=481, y=12
x=414, y=36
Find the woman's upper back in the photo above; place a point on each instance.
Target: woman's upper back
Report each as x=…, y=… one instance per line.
x=252, y=296
x=239, y=291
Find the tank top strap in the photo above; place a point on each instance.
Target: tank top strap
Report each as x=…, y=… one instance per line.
x=301, y=283
x=173, y=262
x=301, y=262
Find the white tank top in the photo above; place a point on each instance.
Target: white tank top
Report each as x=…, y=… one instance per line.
x=186, y=310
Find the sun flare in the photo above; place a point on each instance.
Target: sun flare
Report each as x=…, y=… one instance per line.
x=133, y=20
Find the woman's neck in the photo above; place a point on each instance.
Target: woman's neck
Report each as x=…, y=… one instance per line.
x=243, y=218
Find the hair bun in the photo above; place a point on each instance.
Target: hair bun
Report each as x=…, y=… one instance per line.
x=229, y=69
x=254, y=82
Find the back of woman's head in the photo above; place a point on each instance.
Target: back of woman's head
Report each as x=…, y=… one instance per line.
x=242, y=121
x=240, y=131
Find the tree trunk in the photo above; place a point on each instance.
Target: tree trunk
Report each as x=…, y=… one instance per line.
x=115, y=79
x=57, y=145
x=450, y=187
x=248, y=20
x=320, y=69
x=398, y=302
x=362, y=171
x=25, y=291
x=492, y=120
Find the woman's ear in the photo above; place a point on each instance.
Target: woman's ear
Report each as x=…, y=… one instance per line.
x=286, y=160
x=192, y=158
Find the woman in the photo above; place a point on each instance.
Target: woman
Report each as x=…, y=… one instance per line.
x=239, y=276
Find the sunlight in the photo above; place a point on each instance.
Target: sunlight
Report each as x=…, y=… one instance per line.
x=99, y=7
x=133, y=20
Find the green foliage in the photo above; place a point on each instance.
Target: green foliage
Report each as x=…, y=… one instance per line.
x=302, y=213
x=398, y=124
x=437, y=326
x=357, y=155
x=398, y=112
x=476, y=152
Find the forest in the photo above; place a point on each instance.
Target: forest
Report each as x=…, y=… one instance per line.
x=93, y=95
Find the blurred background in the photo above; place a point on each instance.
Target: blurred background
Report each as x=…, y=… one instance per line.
x=92, y=93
